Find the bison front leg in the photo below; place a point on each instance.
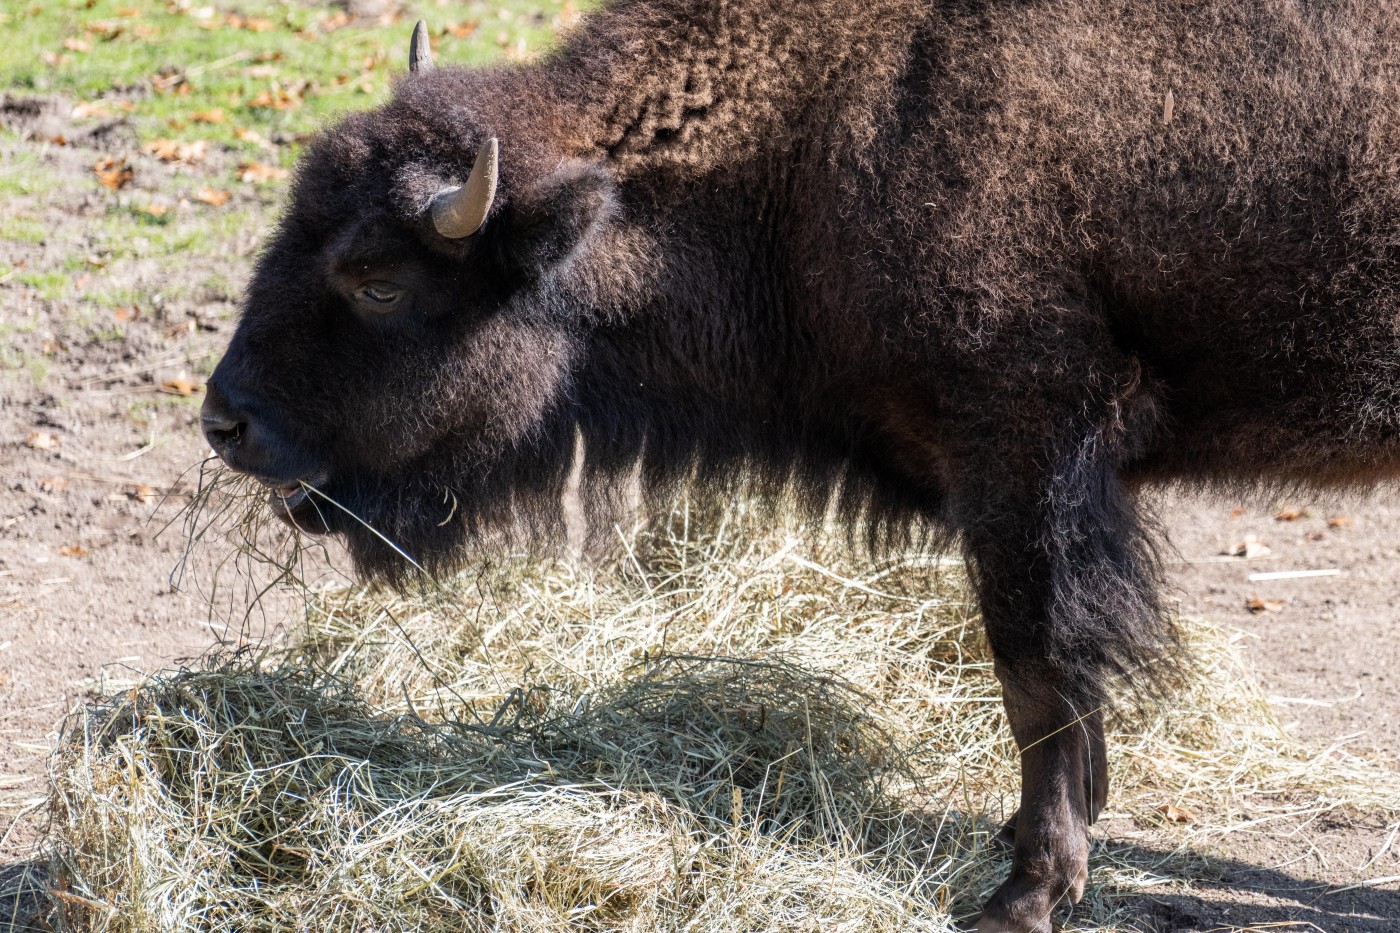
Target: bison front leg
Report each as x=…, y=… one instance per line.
x=1064, y=782
x=1067, y=586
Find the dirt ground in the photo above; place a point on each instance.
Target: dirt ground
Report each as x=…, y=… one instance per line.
x=98, y=426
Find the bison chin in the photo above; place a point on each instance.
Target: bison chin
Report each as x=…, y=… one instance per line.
x=438, y=513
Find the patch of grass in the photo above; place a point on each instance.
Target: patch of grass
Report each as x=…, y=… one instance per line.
x=22, y=172
x=24, y=230
x=205, y=71
x=50, y=285
x=250, y=80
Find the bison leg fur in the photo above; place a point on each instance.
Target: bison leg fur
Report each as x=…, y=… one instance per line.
x=1067, y=583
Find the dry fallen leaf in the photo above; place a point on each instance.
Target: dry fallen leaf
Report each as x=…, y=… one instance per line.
x=105, y=30
x=1236, y=514
x=41, y=440
x=1291, y=515
x=214, y=196
x=77, y=45
x=73, y=550
x=170, y=150
x=155, y=210
x=213, y=115
x=52, y=484
x=1339, y=521
x=256, y=171
x=280, y=98
x=1175, y=814
x=1257, y=605
x=463, y=29
x=95, y=108
x=127, y=314
x=113, y=173
x=1250, y=548
x=181, y=385
x=142, y=494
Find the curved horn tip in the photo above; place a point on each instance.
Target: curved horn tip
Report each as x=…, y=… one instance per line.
x=420, y=53
x=461, y=211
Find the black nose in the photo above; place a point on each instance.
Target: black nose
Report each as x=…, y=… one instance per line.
x=224, y=428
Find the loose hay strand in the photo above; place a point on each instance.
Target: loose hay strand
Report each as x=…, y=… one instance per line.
x=743, y=730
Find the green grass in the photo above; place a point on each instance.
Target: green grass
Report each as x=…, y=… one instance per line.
x=133, y=53
x=252, y=80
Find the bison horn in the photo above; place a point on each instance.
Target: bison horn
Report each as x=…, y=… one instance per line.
x=460, y=211
x=420, y=54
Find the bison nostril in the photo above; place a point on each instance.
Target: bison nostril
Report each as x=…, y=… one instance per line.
x=223, y=428
x=223, y=433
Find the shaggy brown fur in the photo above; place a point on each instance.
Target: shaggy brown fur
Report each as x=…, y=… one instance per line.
x=952, y=264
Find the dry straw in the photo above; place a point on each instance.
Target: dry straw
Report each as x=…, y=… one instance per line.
x=744, y=728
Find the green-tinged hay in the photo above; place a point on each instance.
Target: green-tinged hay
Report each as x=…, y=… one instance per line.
x=735, y=730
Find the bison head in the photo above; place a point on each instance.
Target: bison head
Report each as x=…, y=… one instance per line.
x=404, y=368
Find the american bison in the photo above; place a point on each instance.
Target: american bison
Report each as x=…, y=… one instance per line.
x=987, y=266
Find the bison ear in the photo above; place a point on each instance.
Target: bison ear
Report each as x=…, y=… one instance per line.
x=545, y=223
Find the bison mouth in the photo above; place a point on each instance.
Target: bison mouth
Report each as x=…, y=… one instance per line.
x=302, y=503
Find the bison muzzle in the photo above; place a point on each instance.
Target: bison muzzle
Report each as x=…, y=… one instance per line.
x=985, y=267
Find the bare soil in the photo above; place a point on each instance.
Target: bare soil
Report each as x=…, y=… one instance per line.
x=98, y=455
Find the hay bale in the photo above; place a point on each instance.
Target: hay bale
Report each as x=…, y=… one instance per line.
x=732, y=730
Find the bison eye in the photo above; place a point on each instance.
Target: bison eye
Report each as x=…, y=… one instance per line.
x=383, y=294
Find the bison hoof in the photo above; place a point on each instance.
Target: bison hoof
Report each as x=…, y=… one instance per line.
x=1025, y=901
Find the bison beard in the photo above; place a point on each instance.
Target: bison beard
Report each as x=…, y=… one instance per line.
x=955, y=270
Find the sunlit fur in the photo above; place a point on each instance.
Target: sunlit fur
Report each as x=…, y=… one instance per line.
x=940, y=265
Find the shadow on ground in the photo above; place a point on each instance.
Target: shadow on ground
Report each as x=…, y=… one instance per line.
x=1240, y=894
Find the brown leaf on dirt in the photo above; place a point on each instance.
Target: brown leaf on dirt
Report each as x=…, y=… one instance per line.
x=181, y=385
x=249, y=136
x=73, y=550
x=155, y=210
x=250, y=172
x=52, y=484
x=73, y=44
x=171, y=150
x=114, y=173
x=212, y=115
x=214, y=196
x=96, y=108
x=41, y=440
x=337, y=20
x=1236, y=514
x=106, y=31
x=52, y=346
x=1175, y=814
x=1250, y=548
x=127, y=314
x=143, y=494
x=1339, y=521
x=1291, y=515
x=280, y=98
x=1316, y=536
x=100, y=108
x=1257, y=605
